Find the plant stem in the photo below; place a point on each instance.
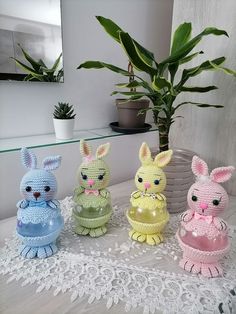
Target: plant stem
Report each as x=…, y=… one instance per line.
x=164, y=128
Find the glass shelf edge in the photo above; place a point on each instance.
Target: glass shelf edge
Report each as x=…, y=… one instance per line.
x=93, y=134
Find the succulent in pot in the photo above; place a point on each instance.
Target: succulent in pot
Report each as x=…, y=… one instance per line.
x=64, y=119
x=163, y=92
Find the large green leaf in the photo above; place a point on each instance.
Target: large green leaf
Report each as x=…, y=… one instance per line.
x=133, y=84
x=28, y=70
x=190, y=57
x=135, y=94
x=184, y=50
x=205, y=66
x=113, y=30
x=198, y=89
x=100, y=65
x=181, y=36
x=56, y=63
x=36, y=65
x=160, y=83
x=129, y=47
x=225, y=70
x=198, y=104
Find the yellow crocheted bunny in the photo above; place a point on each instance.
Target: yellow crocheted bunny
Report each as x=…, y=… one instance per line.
x=148, y=215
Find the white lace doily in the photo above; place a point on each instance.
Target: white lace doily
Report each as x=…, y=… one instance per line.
x=114, y=268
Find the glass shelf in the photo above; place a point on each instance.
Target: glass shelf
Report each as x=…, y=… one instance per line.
x=45, y=140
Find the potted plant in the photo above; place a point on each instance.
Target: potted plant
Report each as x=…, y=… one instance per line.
x=128, y=110
x=64, y=120
x=38, y=71
x=163, y=92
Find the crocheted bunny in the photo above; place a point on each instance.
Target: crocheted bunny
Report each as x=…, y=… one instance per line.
x=148, y=215
x=39, y=220
x=93, y=202
x=203, y=234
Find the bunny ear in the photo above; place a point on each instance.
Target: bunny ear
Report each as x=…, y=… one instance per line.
x=145, y=154
x=51, y=163
x=102, y=150
x=28, y=158
x=222, y=174
x=163, y=158
x=85, y=149
x=199, y=167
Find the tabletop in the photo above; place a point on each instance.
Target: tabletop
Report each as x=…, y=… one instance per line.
x=17, y=299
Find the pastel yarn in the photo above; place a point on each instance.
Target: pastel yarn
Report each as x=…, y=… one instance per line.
x=203, y=234
x=92, y=200
x=39, y=220
x=148, y=214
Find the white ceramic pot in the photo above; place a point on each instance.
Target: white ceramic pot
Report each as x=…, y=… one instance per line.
x=64, y=128
x=179, y=179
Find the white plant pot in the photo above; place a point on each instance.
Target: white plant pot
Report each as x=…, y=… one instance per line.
x=64, y=128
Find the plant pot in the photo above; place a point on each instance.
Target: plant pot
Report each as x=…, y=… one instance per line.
x=64, y=128
x=179, y=179
x=128, y=113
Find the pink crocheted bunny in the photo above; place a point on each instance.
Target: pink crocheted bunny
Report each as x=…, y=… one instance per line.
x=202, y=234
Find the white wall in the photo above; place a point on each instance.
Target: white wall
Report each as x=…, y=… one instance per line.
x=210, y=132
x=26, y=108
x=29, y=106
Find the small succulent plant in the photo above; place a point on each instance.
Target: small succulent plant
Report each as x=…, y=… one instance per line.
x=64, y=111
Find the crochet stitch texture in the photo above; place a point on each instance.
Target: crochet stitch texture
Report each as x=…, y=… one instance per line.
x=39, y=219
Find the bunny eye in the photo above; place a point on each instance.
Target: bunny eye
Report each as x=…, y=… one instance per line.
x=140, y=179
x=47, y=188
x=194, y=198
x=101, y=176
x=84, y=176
x=216, y=202
x=28, y=189
x=156, y=182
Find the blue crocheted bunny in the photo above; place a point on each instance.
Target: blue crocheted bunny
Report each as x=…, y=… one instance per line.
x=39, y=219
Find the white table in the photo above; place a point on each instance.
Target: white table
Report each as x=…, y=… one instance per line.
x=16, y=299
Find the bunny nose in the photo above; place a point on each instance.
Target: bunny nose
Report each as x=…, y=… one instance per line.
x=147, y=185
x=36, y=194
x=91, y=182
x=203, y=205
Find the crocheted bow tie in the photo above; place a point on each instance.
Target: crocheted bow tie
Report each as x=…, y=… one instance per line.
x=94, y=192
x=207, y=219
x=38, y=204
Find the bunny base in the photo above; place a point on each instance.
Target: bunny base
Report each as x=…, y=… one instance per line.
x=95, y=227
x=40, y=252
x=147, y=232
x=205, y=262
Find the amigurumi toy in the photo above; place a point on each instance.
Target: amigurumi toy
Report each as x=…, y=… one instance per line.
x=148, y=214
x=92, y=200
x=202, y=234
x=39, y=220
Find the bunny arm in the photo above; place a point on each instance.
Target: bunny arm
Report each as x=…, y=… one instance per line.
x=136, y=194
x=79, y=190
x=22, y=204
x=53, y=203
x=104, y=193
x=187, y=215
x=220, y=224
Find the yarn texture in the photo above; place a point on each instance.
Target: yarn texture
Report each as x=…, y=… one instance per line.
x=203, y=235
x=92, y=200
x=39, y=219
x=148, y=214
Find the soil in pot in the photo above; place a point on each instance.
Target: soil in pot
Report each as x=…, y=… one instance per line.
x=128, y=113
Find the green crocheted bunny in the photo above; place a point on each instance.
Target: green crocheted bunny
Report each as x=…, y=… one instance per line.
x=92, y=200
